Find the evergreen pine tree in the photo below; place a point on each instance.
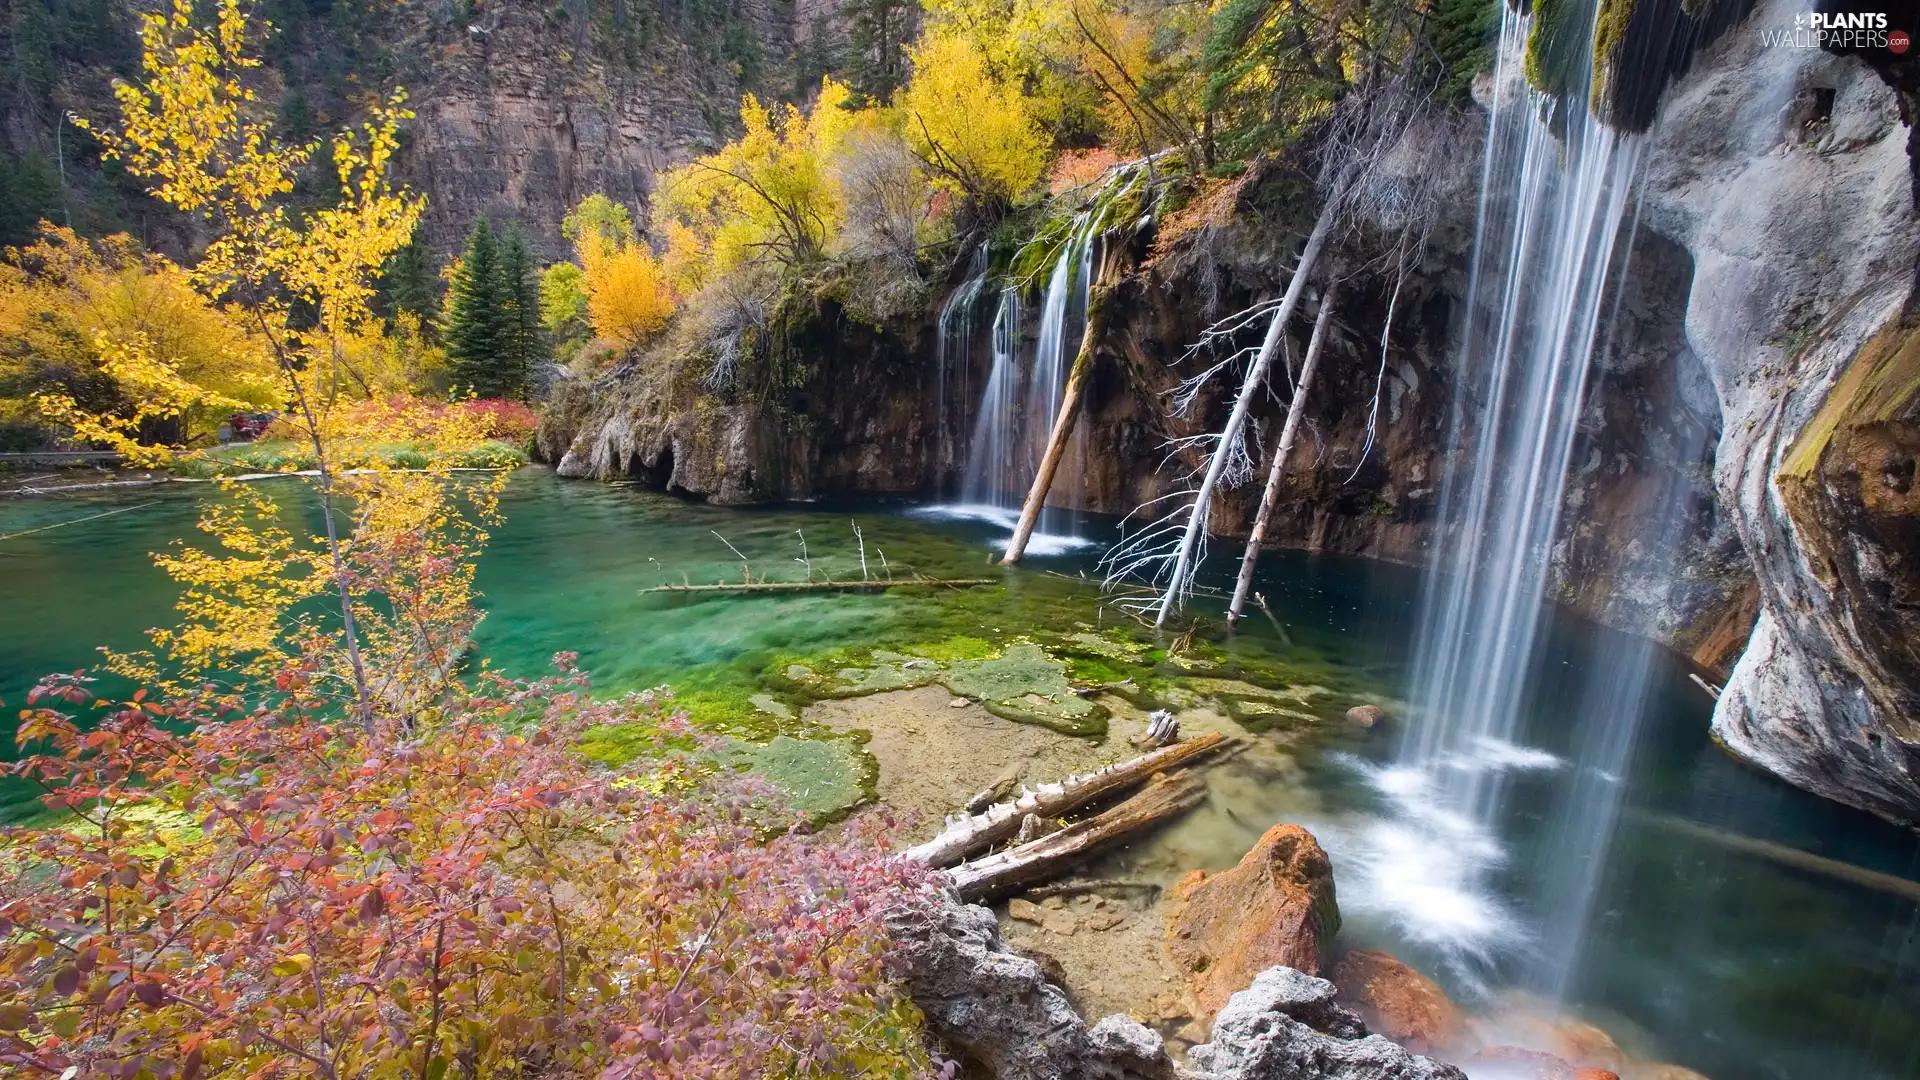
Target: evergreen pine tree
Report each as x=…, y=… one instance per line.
x=877, y=35
x=520, y=288
x=478, y=325
x=410, y=284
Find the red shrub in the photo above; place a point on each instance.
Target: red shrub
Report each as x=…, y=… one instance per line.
x=473, y=899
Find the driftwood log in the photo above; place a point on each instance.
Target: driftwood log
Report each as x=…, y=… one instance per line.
x=825, y=586
x=997, y=875
x=966, y=836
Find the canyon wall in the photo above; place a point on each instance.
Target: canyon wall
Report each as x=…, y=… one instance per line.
x=1784, y=172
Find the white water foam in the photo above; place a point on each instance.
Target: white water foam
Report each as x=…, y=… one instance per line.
x=1422, y=869
x=1039, y=545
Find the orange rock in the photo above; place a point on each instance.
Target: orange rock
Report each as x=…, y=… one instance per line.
x=1275, y=908
x=1398, y=1002
x=1514, y=1063
x=1594, y=1074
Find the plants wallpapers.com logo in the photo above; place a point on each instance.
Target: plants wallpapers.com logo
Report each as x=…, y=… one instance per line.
x=1839, y=30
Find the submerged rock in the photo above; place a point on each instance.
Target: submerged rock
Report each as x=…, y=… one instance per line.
x=1398, y=1002
x=1366, y=716
x=1287, y=1026
x=997, y=1010
x=1514, y=1063
x=1275, y=908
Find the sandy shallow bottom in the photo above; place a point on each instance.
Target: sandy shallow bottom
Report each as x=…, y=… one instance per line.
x=1100, y=929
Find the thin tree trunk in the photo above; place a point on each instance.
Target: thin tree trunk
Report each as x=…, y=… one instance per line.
x=1050, y=856
x=1069, y=413
x=1271, y=498
x=1256, y=374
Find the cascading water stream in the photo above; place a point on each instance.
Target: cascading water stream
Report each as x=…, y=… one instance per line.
x=1554, y=192
x=990, y=452
x=953, y=349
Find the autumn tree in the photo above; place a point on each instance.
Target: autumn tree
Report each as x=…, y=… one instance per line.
x=192, y=128
x=975, y=132
x=621, y=283
x=113, y=345
x=770, y=195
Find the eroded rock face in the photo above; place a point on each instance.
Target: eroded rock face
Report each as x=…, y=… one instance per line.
x=1275, y=908
x=1287, y=1026
x=1784, y=173
x=520, y=113
x=996, y=1009
x=1398, y=1002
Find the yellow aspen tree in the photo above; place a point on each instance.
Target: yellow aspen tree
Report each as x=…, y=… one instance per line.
x=193, y=129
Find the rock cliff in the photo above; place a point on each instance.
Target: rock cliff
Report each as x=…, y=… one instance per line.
x=1784, y=173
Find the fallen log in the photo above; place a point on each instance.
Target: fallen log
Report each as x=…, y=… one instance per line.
x=824, y=586
x=970, y=835
x=1049, y=856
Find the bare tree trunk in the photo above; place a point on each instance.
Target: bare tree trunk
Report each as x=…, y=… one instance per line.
x=971, y=834
x=1050, y=856
x=1183, y=566
x=1069, y=414
x=1271, y=498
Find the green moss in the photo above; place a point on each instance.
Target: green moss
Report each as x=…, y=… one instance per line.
x=958, y=647
x=1026, y=685
x=1879, y=385
x=819, y=777
x=1609, y=41
x=1555, y=46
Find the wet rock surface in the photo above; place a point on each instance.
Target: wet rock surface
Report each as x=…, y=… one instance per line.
x=1288, y=1026
x=998, y=1011
x=1398, y=1002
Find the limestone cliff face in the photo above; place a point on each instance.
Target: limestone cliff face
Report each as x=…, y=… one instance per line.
x=525, y=110
x=1783, y=172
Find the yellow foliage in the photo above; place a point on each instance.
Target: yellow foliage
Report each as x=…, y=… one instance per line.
x=627, y=293
x=772, y=193
x=627, y=296
x=975, y=131
x=115, y=345
x=402, y=566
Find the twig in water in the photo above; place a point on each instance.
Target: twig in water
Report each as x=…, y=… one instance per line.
x=76, y=521
x=862, y=541
x=884, y=568
x=803, y=560
x=724, y=540
x=1261, y=599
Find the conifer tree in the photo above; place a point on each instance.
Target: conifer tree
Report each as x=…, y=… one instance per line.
x=478, y=321
x=520, y=288
x=410, y=283
x=877, y=36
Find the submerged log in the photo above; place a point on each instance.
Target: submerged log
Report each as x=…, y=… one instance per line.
x=824, y=586
x=1049, y=856
x=970, y=835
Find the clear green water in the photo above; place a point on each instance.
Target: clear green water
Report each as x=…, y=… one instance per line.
x=1703, y=953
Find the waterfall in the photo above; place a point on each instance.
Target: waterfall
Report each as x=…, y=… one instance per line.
x=990, y=453
x=953, y=349
x=1554, y=193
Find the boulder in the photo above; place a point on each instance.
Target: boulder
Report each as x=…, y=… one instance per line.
x=997, y=1010
x=1275, y=909
x=1366, y=716
x=1398, y=1002
x=1287, y=1026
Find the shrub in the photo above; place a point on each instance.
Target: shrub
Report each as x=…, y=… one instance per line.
x=472, y=898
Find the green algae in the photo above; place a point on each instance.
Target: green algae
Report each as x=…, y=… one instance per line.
x=819, y=777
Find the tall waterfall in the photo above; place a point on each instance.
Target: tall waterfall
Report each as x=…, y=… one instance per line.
x=990, y=453
x=953, y=349
x=1554, y=192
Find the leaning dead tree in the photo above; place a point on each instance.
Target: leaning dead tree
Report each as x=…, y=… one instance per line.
x=1106, y=270
x=1363, y=181
x=1270, y=499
